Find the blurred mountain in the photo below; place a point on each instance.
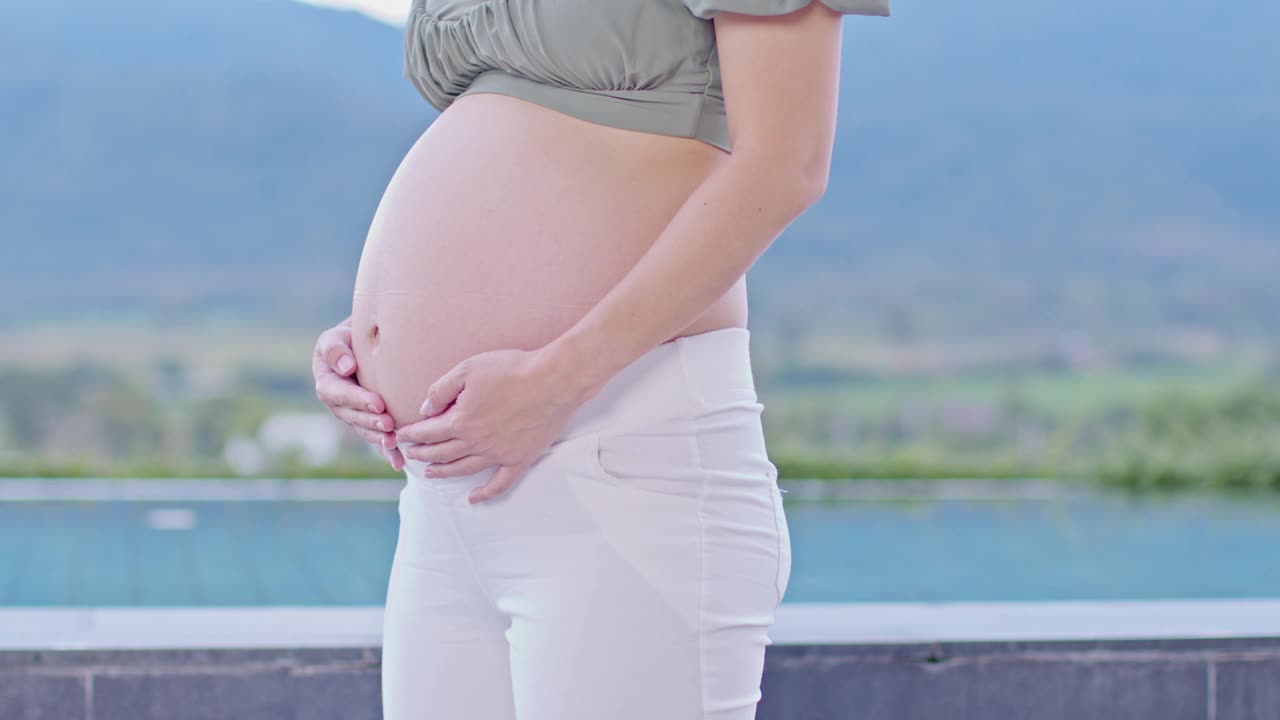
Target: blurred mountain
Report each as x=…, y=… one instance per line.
x=1065, y=162
x=143, y=136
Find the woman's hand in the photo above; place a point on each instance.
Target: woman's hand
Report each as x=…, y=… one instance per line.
x=365, y=411
x=501, y=407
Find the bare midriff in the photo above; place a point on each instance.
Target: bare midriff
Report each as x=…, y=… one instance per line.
x=503, y=225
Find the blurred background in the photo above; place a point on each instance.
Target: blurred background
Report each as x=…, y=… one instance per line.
x=1050, y=246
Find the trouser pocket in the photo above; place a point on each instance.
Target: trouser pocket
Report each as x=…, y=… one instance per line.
x=715, y=467
x=652, y=458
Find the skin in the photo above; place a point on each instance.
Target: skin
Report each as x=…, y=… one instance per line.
x=501, y=382
x=474, y=247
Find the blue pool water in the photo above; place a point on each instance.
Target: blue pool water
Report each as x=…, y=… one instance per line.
x=339, y=553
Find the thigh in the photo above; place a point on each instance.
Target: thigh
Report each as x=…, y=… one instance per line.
x=444, y=652
x=659, y=605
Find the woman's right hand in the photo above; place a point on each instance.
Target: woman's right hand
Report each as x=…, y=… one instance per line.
x=334, y=364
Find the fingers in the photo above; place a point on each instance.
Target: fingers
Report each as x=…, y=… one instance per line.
x=373, y=437
x=432, y=430
x=330, y=345
x=501, y=480
x=377, y=422
x=439, y=453
x=393, y=456
x=364, y=411
x=333, y=387
x=444, y=390
x=469, y=465
x=385, y=443
x=334, y=345
x=335, y=390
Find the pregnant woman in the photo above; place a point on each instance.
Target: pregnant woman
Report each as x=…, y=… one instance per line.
x=548, y=335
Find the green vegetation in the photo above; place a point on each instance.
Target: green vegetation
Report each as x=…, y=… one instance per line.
x=156, y=412
x=1231, y=442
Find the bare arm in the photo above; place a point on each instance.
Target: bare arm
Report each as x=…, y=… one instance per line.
x=780, y=76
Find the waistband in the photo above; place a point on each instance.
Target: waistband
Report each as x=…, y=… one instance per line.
x=678, y=378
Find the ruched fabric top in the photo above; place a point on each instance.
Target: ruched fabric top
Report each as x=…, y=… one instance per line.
x=647, y=65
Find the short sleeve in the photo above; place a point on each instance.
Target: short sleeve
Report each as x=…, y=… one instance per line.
x=707, y=9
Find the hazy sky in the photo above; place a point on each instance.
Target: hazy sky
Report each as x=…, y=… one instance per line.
x=392, y=11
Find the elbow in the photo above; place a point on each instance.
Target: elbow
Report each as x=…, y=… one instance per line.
x=814, y=180
x=813, y=168
x=801, y=184
x=796, y=176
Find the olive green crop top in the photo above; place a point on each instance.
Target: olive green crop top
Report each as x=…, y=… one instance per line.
x=647, y=65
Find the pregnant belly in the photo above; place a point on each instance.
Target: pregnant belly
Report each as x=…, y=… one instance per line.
x=504, y=224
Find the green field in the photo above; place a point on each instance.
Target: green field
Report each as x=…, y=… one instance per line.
x=135, y=400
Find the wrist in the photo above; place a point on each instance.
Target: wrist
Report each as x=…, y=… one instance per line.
x=579, y=362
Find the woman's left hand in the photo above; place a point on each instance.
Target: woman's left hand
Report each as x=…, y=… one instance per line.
x=501, y=407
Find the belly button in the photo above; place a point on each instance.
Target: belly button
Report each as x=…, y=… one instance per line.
x=373, y=332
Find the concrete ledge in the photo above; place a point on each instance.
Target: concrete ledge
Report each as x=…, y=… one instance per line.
x=1164, y=660
x=797, y=624
x=858, y=623
x=342, y=684
x=1200, y=679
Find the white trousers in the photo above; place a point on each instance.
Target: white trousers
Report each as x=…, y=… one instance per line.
x=631, y=574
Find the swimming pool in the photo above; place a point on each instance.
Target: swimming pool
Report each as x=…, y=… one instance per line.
x=337, y=552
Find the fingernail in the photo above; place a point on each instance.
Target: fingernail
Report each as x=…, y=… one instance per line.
x=426, y=408
x=346, y=363
x=382, y=425
x=389, y=443
x=373, y=408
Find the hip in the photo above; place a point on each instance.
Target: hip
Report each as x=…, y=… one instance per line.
x=690, y=401
x=665, y=465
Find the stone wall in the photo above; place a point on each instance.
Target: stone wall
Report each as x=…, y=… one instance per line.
x=1170, y=679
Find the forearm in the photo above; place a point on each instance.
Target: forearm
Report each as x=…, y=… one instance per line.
x=714, y=238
